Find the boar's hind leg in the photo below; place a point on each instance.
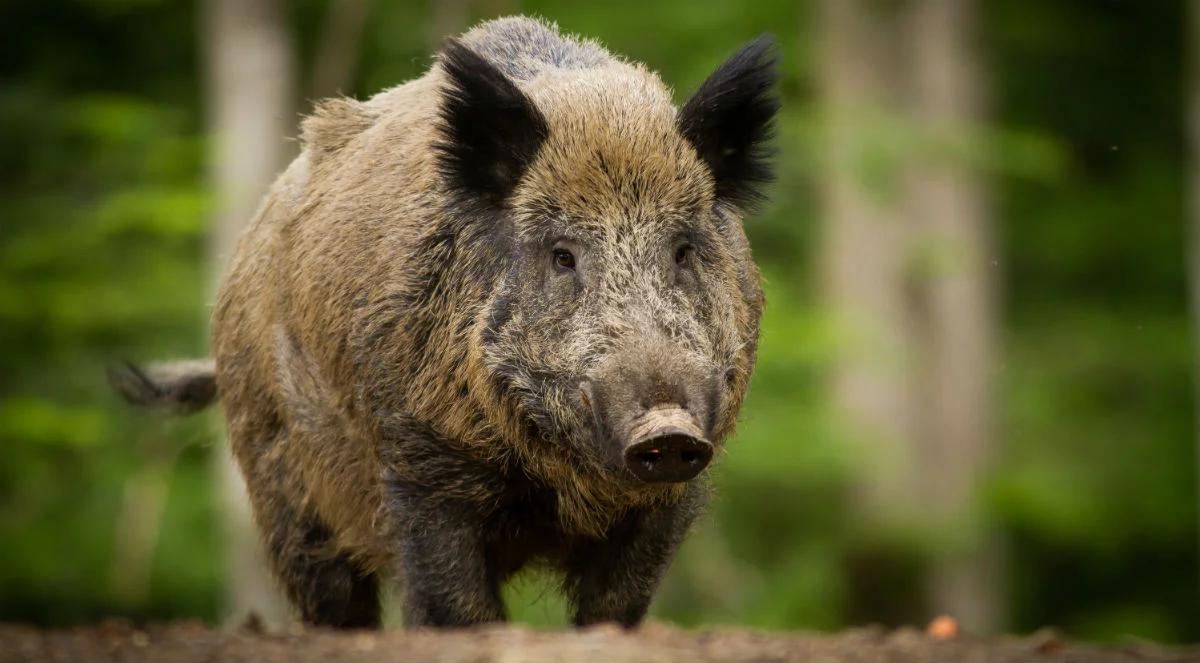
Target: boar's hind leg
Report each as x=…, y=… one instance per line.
x=614, y=579
x=326, y=585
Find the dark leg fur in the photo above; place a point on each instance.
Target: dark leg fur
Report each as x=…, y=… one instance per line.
x=448, y=578
x=328, y=587
x=615, y=579
x=440, y=500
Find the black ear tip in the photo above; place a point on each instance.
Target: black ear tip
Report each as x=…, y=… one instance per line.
x=760, y=53
x=764, y=44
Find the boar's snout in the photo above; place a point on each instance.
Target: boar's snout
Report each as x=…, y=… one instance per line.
x=666, y=446
x=651, y=412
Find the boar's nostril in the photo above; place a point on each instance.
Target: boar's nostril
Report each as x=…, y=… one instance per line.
x=648, y=460
x=649, y=457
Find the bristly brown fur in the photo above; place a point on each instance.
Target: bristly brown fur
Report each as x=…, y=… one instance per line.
x=400, y=362
x=332, y=125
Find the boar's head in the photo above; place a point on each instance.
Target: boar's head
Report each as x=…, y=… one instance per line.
x=623, y=318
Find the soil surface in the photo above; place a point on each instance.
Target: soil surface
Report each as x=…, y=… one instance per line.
x=655, y=643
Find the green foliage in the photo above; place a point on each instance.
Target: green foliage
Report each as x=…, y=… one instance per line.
x=104, y=218
x=104, y=211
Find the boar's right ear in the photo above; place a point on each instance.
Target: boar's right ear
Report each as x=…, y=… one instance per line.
x=490, y=131
x=729, y=122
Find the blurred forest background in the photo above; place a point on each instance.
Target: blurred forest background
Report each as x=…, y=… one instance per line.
x=975, y=387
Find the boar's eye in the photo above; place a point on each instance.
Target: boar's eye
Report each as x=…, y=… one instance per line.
x=564, y=259
x=682, y=254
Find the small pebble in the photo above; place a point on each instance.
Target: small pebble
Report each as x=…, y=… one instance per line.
x=943, y=627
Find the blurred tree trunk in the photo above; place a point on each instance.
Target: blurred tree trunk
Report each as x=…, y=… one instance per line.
x=251, y=95
x=865, y=263
x=949, y=208
x=907, y=263
x=864, y=255
x=139, y=523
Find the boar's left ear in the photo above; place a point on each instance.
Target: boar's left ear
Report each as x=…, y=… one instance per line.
x=490, y=131
x=729, y=122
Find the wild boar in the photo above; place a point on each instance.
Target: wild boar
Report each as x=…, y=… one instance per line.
x=502, y=314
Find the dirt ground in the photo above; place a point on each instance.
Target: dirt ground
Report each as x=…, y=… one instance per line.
x=182, y=642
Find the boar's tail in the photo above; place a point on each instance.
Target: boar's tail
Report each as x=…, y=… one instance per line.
x=180, y=387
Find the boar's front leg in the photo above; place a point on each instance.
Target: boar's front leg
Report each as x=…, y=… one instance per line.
x=613, y=580
x=438, y=498
x=447, y=578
